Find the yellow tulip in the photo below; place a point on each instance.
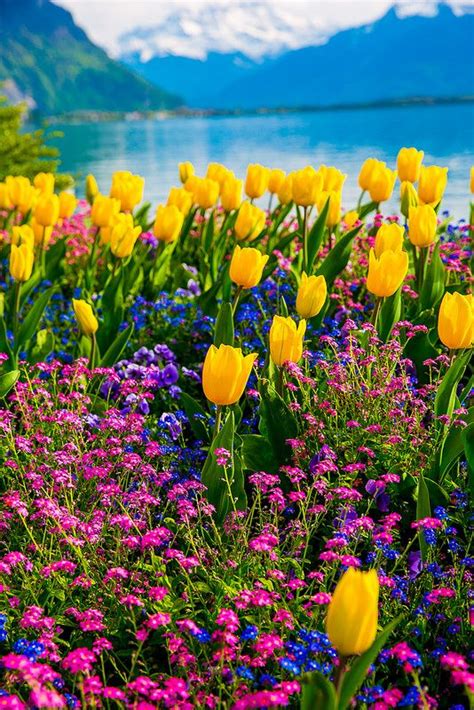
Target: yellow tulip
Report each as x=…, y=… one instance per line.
x=389, y=238
x=456, y=321
x=409, y=163
x=128, y=189
x=21, y=262
x=44, y=182
x=191, y=183
x=67, y=204
x=311, y=295
x=334, y=213
x=231, y=194
x=333, y=179
x=218, y=172
x=306, y=186
x=286, y=340
x=408, y=198
x=387, y=272
x=42, y=234
x=103, y=210
x=350, y=218
x=471, y=183
x=123, y=239
x=422, y=225
x=46, y=211
x=225, y=374
x=23, y=235
x=382, y=181
x=366, y=172
x=246, y=266
x=256, y=181
x=125, y=219
x=275, y=180
x=5, y=202
x=186, y=170
x=205, y=193
x=285, y=193
x=92, y=189
x=88, y=323
x=432, y=184
x=352, y=617
x=250, y=222
x=20, y=191
x=180, y=198
x=168, y=223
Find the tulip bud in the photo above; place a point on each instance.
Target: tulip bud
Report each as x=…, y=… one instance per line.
x=186, y=170
x=88, y=323
x=422, y=225
x=432, y=184
x=311, y=295
x=5, y=202
x=180, y=198
x=389, y=238
x=92, y=189
x=225, y=374
x=246, y=266
x=408, y=198
x=350, y=219
x=205, y=193
x=250, y=222
x=231, y=194
x=408, y=164
x=456, y=321
x=123, y=238
x=285, y=193
x=382, y=181
x=44, y=182
x=334, y=213
x=286, y=340
x=23, y=235
x=275, y=180
x=256, y=181
x=46, y=211
x=366, y=171
x=128, y=189
x=42, y=234
x=168, y=223
x=352, y=617
x=67, y=204
x=21, y=262
x=333, y=179
x=386, y=273
x=306, y=186
x=103, y=210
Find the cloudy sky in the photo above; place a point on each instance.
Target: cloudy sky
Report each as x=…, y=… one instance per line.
x=106, y=20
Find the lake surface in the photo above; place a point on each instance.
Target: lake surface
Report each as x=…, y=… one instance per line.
x=341, y=138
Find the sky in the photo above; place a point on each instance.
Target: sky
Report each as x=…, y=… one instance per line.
x=106, y=20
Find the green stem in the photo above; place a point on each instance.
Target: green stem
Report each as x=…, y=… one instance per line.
x=90, y=267
x=217, y=424
x=305, y=239
x=339, y=675
x=43, y=254
x=421, y=267
x=236, y=299
x=361, y=197
x=93, y=351
x=279, y=384
x=375, y=314
x=16, y=309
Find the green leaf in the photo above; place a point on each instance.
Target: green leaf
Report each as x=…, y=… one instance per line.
x=224, y=328
x=423, y=510
x=451, y=448
x=390, y=314
x=355, y=676
x=33, y=317
x=446, y=395
x=433, y=284
x=338, y=258
x=196, y=415
x=277, y=424
x=54, y=255
x=257, y=455
x=43, y=346
x=315, y=236
x=7, y=381
x=208, y=236
x=272, y=263
x=418, y=349
x=468, y=440
x=113, y=353
x=160, y=271
x=364, y=210
x=318, y=693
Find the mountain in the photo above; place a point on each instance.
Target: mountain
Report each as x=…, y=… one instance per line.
x=51, y=60
x=398, y=56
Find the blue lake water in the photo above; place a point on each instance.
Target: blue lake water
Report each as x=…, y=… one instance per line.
x=341, y=138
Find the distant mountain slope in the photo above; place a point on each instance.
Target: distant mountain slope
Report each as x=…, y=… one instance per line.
x=52, y=60
x=393, y=58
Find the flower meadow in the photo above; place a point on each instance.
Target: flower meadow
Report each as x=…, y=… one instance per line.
x=237, y=443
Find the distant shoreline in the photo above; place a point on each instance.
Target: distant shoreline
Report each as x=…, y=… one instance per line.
x=164, y=114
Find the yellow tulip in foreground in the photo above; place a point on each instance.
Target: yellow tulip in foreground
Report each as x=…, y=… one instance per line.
x=366, y=172
x=231, y=193
x=21, y=262
x=42, y=234
x=250, y=222
x=180, y=198
x=256, y=181
x=67, y=204
x=432, y=184
x=44, y=182
x=168, y=223
x=333, y=179
x=5, y=202
x=285, y=192
x=409, y=163
x=389, y=238
x=306, y=186
x=456, y=321
x=121, y=218
x=92, y=188
x=334, y=213
x=104, y=210
x=88, y=323
x=311, y=295
x=382, y=181
x=46, y=211
x=205, y=192
x=122, y=239
x=286, y=340
x=186, y=170
x=219, y=173
x=422, y=225
x=19, y=189
x=408, y=198
x=276, y=180
x=351, y=622
x=225, y=373
x=23, y=235
x=386, y=274
x=246, y=266
x=128, y=189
